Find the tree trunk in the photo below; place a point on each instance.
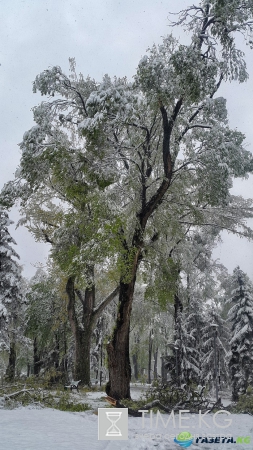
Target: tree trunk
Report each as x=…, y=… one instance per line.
x=10, y=372
x=234, y=368
x=178, y=307
x=118, y=386
x=82, y=356
x=155, y=364
x=82, y=335
x=150, y=347
x=101, y=364
x=136, y=355
x=36, y=358
x=56, y=353
x=135, y=364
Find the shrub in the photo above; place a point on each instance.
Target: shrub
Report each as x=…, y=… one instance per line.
x=245, y=402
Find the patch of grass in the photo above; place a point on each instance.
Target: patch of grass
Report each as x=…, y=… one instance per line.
x=66, y=404
x=133, y=404
x=96, y=388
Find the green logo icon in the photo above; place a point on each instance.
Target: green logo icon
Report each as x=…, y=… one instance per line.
x=184, y=439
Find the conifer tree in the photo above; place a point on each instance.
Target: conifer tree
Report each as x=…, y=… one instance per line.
x=241, y=318
x=10, y=293
x=215, y=338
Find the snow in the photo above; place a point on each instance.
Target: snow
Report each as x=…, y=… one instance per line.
x=48, y=429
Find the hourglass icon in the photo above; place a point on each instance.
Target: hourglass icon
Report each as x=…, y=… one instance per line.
x=113, y=416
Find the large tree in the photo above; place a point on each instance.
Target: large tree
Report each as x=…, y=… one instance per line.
x=185, y=154
x=62, y=203
x=74, y=252
x=158, y=151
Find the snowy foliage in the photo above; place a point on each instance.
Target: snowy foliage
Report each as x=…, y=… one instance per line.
x=10, y=270
x=110, y=133
x=10, y=288
x=46, y=319
x=215, y=338
x=241, y=318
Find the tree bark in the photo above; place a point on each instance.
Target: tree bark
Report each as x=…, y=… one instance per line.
x=10, y=372
x=178, y=307
x=82, y=335
x=36, y=358
x=234, y=368
x=155, y=364
x=150, y=348
x=118, y=385
x=135, y=364
x=82, y=355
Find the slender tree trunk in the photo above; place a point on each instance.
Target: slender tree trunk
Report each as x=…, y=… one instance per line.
x=101, y=364
x=36, y=358
x=150, y=347
x=155, y=364
x=136, y=355
x=10, y=372
x=56, y=354
x=65, y=358
x=135, y=365
x=234, y=368
x=178, y=307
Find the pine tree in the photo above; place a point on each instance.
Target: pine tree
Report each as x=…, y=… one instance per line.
x=185, y=352
x=214, y=344
x=10, y=293
x=241, y=318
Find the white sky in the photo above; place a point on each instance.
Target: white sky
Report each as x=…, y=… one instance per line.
x=104, y=37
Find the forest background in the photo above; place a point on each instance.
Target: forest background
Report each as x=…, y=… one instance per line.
x=106, y=37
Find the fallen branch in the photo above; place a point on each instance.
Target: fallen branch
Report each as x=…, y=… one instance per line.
x=186, y=405
x=15, y=394
x=135, y=412
x=216, y=405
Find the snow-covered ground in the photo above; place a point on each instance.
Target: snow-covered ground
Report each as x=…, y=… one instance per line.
x=48, y=429
x=27, y=428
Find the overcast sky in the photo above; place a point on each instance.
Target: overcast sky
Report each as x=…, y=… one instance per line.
x=104, y=37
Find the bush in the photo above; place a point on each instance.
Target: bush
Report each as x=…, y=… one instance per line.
x=65, y=404
x=167, y=394
x=245, y=402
